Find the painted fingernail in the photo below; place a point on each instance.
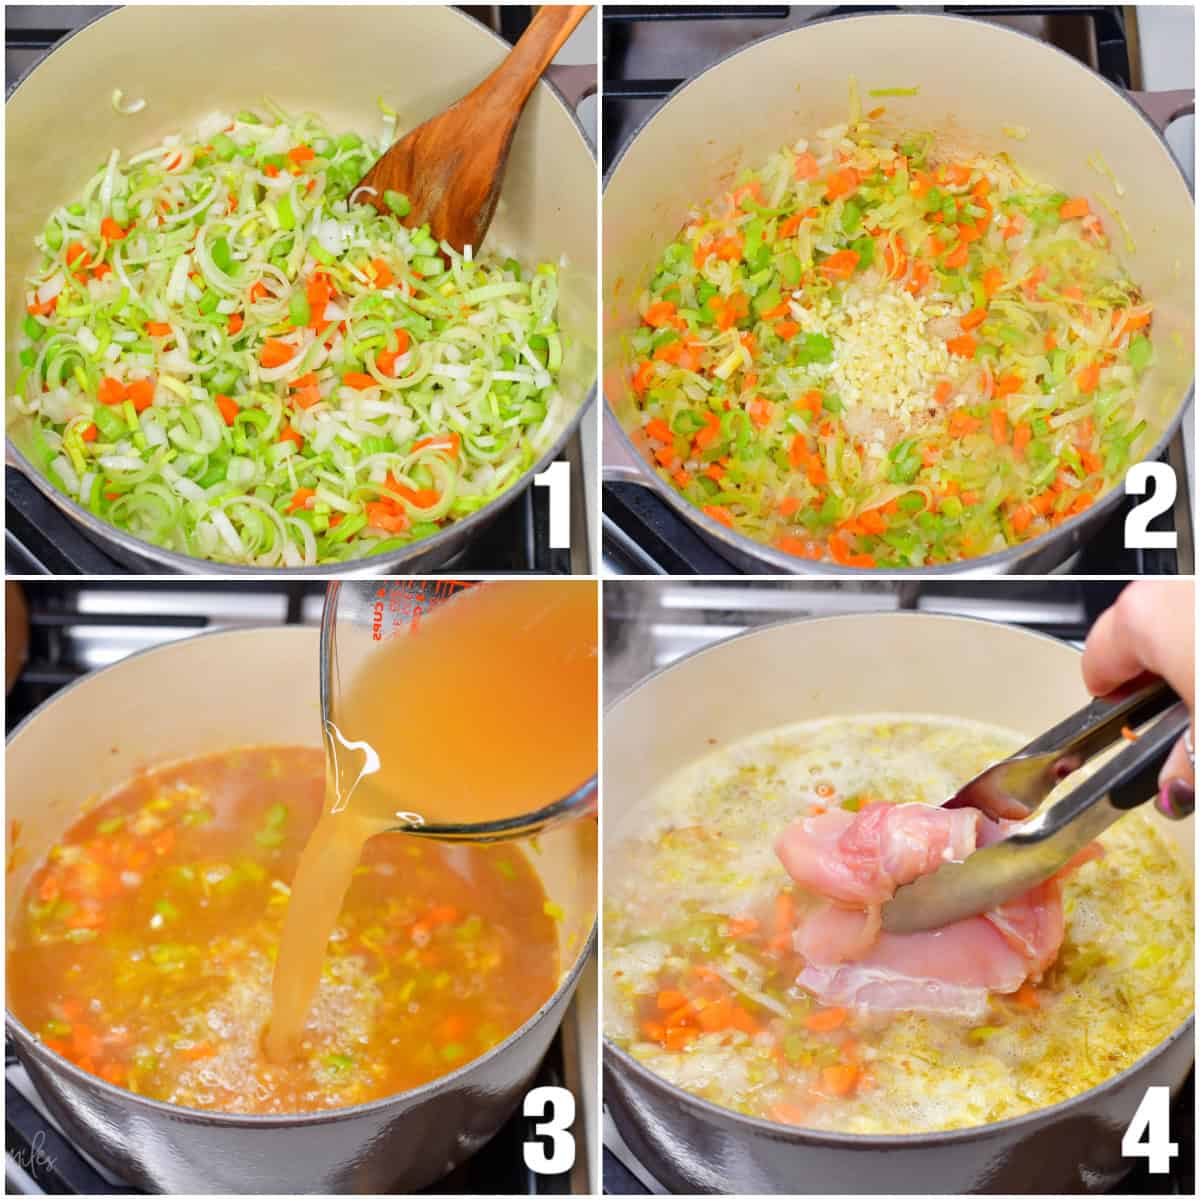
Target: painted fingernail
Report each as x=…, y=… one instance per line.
x=1176, y=799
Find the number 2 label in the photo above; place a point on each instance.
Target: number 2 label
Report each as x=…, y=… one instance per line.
x=1149, y=1133
x=1159, y=479
x=554, y=1151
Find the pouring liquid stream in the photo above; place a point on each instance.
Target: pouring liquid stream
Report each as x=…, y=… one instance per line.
x=484, y=709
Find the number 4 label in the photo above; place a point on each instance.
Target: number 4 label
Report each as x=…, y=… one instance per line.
x=1159, y=479
x=1149, y=1133
x=556, y=479
x=554, y=1151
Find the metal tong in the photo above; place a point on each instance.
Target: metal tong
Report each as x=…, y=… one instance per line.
x=1053, y=834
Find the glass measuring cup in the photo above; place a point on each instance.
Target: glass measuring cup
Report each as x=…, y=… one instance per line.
x=360, y=620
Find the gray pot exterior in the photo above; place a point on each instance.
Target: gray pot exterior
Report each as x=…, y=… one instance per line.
x=401, y=1144
x=1072, y=1148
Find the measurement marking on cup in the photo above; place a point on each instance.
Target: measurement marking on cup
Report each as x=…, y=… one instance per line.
x=553, y=1153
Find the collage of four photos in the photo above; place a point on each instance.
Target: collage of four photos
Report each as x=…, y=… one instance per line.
x=600, y=599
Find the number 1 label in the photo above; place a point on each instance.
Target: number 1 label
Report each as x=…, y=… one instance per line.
x=556, y=479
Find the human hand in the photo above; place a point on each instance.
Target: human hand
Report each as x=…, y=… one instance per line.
x=1150, y=630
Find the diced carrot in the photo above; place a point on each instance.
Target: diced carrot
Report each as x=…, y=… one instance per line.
x=43, y=308
x=300, y=498
x=1093, y=464
x=743, y=1021
x=729, y=249
x=288, y=434
x=77, y=252
x=1051, y=340
x=48, y=889
x=788, y=505
x=681, y=479
x=236, y=321
x=993, y=280
x=642, y=376
x=840, y=265
x=806, y=166
x=719, y=513
x=962, y=423
x=1022, y=518
x=654, y=1031
x=964, y=345
x=670, y=999
x=359, y=380
x=787, y=329
x=741, y=926
x=659, y=430
x=383, y=276
x=392, y=519
x=199, y=1051
x=942, y=390
x=1088, y=379
x=958, y=256
x=841, y=1079
x=677, y=1039
x=1075, y=207
x=275, y=353
x=709, y=434
x=920, y=276
x=1074, y=292
x=843, y=182
x=228, y=407
x=789, y=226
x=716, y=1015
x=1022, y=435
x=141, y=394
x=975, y=317
x=111, y=230
x=158, y=329
x=659, y=313
x=110, y=391
x=844, y=556
x=999, y=426
x=825, y=1020
x=800, y=547
x=760, y=410
x=1027, y=996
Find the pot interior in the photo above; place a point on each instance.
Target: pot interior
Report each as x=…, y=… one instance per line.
x=695, y=144
x=200, y=696
x=188, y=62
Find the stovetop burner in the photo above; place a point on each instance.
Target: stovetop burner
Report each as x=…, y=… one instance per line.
x=77, y=627
x=40, y=540
x=649, y=50
x=650, y=624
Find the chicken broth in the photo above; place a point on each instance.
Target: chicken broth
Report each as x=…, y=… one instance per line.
x=703, y=975
x=468, y=743
x=144, y=947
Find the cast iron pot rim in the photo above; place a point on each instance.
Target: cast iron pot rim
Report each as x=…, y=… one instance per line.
x=55, y=1063
x=616, y=1058
x=102, y=532
x=994, y=562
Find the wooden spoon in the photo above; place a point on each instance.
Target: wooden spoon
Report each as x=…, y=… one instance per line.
x=451, y=168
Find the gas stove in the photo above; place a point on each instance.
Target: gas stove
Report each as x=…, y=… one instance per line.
x=650, y=49
x=75, y=628
x=649, y=624
x=40, y=540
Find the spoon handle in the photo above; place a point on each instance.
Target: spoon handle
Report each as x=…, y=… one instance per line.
x=508, y=87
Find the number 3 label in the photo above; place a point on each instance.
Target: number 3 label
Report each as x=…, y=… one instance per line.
x=554, y=1151
x=1138, y=481
x=1149, y=1133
